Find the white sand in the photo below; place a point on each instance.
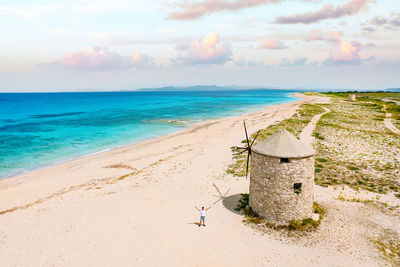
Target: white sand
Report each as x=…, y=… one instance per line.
x=79, y=213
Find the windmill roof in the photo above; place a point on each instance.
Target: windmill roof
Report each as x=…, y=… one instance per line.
x=283, y=145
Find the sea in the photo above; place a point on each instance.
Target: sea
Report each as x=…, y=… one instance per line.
x=42, y=129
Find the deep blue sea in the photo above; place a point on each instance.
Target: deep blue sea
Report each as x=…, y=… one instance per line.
x=40, y=129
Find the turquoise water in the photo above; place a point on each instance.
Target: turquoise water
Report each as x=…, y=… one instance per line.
x=40, y=129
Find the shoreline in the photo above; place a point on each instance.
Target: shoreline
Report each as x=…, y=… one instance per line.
x=245, y=112
x=295, y=97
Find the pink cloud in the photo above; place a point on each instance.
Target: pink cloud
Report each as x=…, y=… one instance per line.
x=209, y=50
x=100, y=58
x=193, y=10
x=327, y=12
x=345, y=53
x=317, y=35
x=272, y=45
x=348, y=52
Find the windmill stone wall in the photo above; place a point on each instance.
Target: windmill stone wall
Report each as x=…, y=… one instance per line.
x=282, y=179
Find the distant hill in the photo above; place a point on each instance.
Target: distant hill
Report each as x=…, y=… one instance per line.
x=203, y=88
x=392, y=89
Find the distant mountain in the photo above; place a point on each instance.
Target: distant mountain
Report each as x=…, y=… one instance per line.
x=392, y=89
x=202, y=88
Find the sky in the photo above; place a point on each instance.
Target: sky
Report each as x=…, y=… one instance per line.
x=73, y=45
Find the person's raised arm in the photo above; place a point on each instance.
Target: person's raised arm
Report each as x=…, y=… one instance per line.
x=208, y=208
x=197, y=208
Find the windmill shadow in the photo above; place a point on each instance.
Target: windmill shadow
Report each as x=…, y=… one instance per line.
x=231, y=203
x=220, y=195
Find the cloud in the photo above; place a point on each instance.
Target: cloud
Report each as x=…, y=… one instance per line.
x=193, y=10
x=209, y=50
x=326, y=12
x=272, y=45
x=317, y=35
x=100, y=58
x=393, y=21
x=368, y=29
x=297, y=62
x=241, y=62
x=24, y=12
x=347, y=53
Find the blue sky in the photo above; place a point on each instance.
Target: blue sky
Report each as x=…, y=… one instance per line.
x=121, y=44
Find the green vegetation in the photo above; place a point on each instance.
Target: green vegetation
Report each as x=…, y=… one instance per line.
x=244, y=206
x=294, y=125
x=306, y=224
x=357, y=149
x=389, y=247
x=318, y=209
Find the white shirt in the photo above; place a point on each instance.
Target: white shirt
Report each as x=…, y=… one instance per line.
x=203, y=212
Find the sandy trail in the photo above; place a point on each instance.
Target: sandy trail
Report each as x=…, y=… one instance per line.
x=307, y=134
x=388, y=121
x=135, y=206
x=390, y=126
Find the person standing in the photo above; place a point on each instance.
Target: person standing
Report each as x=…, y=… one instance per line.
x=202, y=215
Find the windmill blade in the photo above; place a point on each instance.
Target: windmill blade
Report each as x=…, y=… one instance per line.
x=247, y=137
x=254, y=139
x=247, y=165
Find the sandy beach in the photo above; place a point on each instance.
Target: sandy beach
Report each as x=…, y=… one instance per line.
x=134, y=205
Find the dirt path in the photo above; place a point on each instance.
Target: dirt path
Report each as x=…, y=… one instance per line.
x=306, y=134
x=390, y=126
x=391, y=100
x=388, y=121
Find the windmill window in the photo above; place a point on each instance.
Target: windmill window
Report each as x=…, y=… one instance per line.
x=297, y=188
x=284, y=160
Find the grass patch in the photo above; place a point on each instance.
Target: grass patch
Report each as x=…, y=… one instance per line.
x=243, y=205
x=318, y=136
x=306, y=224
x=389, y=247
x=352, y=168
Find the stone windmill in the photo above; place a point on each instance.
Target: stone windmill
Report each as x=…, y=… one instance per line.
x=282, y=178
